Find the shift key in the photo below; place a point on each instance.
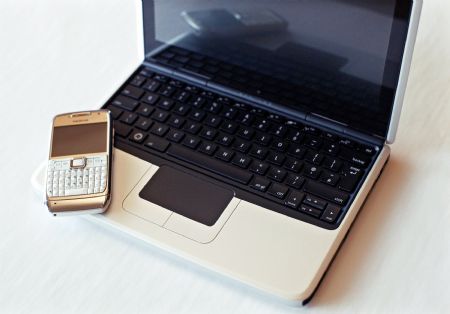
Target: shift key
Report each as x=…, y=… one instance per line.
x=326, y=192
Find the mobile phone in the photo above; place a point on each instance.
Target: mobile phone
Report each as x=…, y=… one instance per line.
x=225, y=23
x=79, y=165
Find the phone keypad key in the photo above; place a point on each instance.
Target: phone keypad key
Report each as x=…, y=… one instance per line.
x=62, y=180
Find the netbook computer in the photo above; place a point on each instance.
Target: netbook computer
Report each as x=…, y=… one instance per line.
x=251, y=134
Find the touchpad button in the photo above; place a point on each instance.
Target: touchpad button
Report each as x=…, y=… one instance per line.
x=187, y=195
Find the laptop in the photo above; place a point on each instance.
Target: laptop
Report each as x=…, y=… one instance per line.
x=253, y=131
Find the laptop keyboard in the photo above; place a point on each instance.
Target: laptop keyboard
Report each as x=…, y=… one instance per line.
x=304, y=170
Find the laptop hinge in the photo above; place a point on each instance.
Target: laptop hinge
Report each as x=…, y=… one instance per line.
x=182, y=74
x=343, y=128
x=317, y=119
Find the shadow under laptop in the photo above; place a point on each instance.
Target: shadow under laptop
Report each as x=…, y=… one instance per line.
x=346, y=271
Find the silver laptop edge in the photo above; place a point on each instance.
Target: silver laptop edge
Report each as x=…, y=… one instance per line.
x=404, y=72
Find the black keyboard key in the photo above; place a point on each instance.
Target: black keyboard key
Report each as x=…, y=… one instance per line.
x=144, y=124
x=241, y=146
x=175, y=136
x=310, y=210
x=259, y=168
x=354, y=157
x=121, y=129
x=262, y=125
x=279, y=130
x=311, y=171
x=295, y=136
x=229, y=127
x=294, y=199
x=160, y=116
x=329, y=178
x=191, y=89
x=245, y=133
x=260, y=184
x=145, y=110
x=346, y=142
x=314, y=158
x=115, y=112
x=263, y=139
x=280, y=146
x=213, y=107
x=150, y=98
x=198, y=101
x=297, y=151
x=331, y=213
x=197, y=115
x=146, y=72
x=224, y=154
x=276, y=158
x=166, y=104
x=210, y=164
x=224, y=139
x=208, y=133
x=181, y=109
x=208, y=94
x=128, y=117
x=208, y=148
x=132, y=92
x=245, y=118
x=313, y=142
x=138, y=137
x=176, y=122
x=126, y=103
x=192, y=127
x=159, y=129
x=331, y=149
x=278, y=190
x=326, y=192
x=213, y=121
x=350, y=178
x=161, y=78
x=368, y=150
x=167, y=90
x=311, y=130
x=293, y=165
x=241, y=161
x=156, y=143
x=137, y=80
x=277, y=174
x=333, y=164
x=152, y=86
x=182, y=96
x=295, y=181
x=315, y=202
x=229, y=113
x=259, y=152
x=330, y=137
x=191, y=142
x=275, y=117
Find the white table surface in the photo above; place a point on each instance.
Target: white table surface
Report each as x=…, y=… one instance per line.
x=64, y=55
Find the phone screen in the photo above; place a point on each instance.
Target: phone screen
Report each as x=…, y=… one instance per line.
x=79, y=139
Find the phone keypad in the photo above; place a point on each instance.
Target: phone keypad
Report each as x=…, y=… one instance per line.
x=62, y=180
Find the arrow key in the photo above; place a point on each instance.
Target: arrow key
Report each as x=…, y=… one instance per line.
x=294, y=200
x=331, y=213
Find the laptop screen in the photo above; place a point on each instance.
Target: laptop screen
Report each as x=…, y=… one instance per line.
x=336, y=59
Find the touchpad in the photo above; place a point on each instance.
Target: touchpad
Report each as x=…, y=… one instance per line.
x=187, y=195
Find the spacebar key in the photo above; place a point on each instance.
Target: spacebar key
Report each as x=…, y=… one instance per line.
x=210, y=164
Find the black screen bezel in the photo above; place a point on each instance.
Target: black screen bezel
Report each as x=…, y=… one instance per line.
x=392, y=67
